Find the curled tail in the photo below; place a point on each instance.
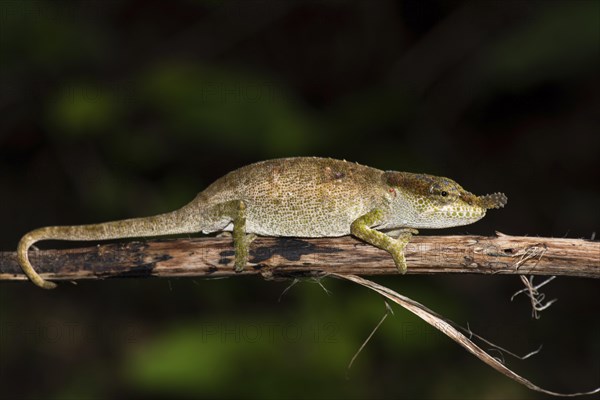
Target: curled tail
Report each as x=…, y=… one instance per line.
x=179, y=221
x=26, y=242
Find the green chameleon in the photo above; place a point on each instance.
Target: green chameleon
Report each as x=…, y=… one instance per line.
x=302, y=197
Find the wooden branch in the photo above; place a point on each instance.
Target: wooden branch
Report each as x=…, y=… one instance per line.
x=288, y=258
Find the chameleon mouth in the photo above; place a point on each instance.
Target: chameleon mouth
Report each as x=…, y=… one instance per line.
x=494, y=200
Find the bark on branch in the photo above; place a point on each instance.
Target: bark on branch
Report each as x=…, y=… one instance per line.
x=288, y=258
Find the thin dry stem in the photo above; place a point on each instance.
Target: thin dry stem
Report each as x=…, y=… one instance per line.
x=449, y=329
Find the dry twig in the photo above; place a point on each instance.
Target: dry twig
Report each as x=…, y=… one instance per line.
x=292, y=258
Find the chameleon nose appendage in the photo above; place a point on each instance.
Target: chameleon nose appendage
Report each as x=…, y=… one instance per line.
x=495, y=200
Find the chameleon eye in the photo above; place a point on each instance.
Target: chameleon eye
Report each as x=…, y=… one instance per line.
x=444, y=193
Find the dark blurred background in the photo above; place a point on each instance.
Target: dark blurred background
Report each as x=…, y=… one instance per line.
x=115, y=109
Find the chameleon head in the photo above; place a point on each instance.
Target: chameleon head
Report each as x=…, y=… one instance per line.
x=427, y=201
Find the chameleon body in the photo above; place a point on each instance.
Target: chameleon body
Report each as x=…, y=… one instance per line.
x=299, y=197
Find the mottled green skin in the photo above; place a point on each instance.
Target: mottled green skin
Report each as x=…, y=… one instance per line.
x=301, y=197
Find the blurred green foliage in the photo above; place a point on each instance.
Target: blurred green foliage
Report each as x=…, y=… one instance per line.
x=559, y=42
x=83, y=109
x=202, y=104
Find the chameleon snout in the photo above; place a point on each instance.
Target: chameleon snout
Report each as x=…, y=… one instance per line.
x=494, y=200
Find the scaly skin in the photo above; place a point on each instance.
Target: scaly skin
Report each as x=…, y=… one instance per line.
x=301, y=197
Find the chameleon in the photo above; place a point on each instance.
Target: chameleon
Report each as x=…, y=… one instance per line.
x=306, y=197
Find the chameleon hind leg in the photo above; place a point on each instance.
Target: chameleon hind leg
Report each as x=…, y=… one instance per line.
x=236, y=210
x=361, y=228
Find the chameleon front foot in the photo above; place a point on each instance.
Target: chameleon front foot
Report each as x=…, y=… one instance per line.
x=397, y=250
x=400, y=261
x=361, y=228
